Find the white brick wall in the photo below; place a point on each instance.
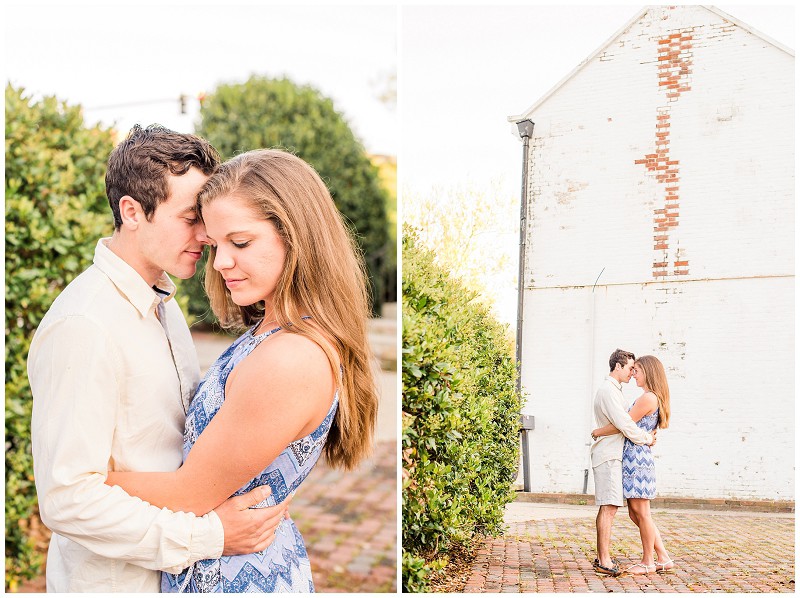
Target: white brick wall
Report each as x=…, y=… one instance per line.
x=724, y=324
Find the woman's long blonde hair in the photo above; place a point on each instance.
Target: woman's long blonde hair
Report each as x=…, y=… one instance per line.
x=324, y=276
x=655, y=380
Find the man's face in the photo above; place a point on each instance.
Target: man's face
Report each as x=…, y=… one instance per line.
x=173, y=239
x=627, y=372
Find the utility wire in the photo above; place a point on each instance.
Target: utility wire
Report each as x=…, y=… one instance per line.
x=181, y=99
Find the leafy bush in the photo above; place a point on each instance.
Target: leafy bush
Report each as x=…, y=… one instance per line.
x=267, y=113
x=415, y=573
x=460, y=415
x=56, y=209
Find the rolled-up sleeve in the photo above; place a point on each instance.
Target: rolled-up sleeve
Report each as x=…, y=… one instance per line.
x=622, y=421
x=74, y=370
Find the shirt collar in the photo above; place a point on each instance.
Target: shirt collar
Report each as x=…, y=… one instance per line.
x=129, y=282
x=615, y=382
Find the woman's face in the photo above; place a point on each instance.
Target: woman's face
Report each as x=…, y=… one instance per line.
x=638, y=375
x=250, y=254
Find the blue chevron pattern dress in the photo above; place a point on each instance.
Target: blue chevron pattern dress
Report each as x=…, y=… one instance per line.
x=284, y=565
x=638, y=467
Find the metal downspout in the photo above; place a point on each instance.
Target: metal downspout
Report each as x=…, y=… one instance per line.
x=526, y=132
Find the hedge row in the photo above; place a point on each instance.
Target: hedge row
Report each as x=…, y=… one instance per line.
x=56, y=209
x=460, y=416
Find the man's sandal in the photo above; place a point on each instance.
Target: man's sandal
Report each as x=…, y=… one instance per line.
x=663, y=568
x=613, y=561
x=601, y=570
x=643, y=566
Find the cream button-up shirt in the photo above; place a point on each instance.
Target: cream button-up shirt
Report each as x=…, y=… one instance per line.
x=110, y=392
x=609, y=407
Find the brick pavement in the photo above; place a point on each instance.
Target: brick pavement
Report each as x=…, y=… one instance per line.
x=713, y=551
x=349, y=523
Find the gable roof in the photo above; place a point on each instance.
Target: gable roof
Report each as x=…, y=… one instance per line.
x=623, y=29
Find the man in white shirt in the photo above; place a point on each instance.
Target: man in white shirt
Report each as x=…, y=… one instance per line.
x=609, y=407
x=112, y=369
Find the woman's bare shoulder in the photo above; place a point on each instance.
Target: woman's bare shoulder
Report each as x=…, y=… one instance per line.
x=291, y=352
x=649, y=399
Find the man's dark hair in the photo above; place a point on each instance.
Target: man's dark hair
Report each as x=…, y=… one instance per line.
x=139, y=166
x=619, y=357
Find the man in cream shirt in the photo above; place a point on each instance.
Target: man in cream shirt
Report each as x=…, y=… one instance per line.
x=609, y=407
x=112, y=369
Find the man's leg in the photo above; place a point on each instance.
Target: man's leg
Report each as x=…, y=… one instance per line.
x=605, y=517
x=608, y=496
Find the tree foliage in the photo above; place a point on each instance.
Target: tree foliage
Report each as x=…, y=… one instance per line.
x=460, y=415
x=56, y=209
x=472, y=231
x=277, y=113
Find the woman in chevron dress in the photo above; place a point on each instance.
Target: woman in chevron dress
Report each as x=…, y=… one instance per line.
x=295, y=385
x=649, y=411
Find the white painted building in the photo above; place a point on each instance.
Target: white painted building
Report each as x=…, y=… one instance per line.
x=661, y=220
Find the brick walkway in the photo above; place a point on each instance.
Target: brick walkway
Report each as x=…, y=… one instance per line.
x=349, y=523
x=714, y=552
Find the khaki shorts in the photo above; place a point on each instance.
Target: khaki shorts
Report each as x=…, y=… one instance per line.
x=608, y=483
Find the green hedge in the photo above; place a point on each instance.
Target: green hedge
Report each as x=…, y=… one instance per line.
x=460, y=416
x=56, y=209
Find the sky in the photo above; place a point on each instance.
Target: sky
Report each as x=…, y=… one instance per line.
x=464, y=71
x=128, y=64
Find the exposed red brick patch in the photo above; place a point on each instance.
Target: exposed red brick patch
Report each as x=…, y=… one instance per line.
x=674, y=69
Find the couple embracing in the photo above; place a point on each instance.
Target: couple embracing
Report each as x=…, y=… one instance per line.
x=150, y=478
x=622, y=460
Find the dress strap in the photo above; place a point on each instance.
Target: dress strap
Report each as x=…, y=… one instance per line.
x=274, y=330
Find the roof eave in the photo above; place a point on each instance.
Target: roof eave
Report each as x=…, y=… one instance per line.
x=529, y=112
x=752, y=30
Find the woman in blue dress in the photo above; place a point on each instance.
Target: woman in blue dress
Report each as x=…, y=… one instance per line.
x=296, y=384
x=649, y=411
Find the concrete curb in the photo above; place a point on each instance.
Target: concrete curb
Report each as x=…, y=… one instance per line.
x=668, y=502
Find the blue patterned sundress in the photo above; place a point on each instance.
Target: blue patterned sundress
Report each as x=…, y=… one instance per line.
x=638, y=466
x=284, y=565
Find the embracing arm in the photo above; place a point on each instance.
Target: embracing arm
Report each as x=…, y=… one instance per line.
x=256, y=422
x=73, y=374
x=642, y=406
x=622, y=420
x=606, y=430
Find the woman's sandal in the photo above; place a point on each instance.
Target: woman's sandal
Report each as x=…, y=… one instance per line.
x=645, y=567
x=662, y=567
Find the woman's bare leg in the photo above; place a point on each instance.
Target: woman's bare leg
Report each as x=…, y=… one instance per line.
x=647, y=529
x=632, y=514
x=662, y=556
